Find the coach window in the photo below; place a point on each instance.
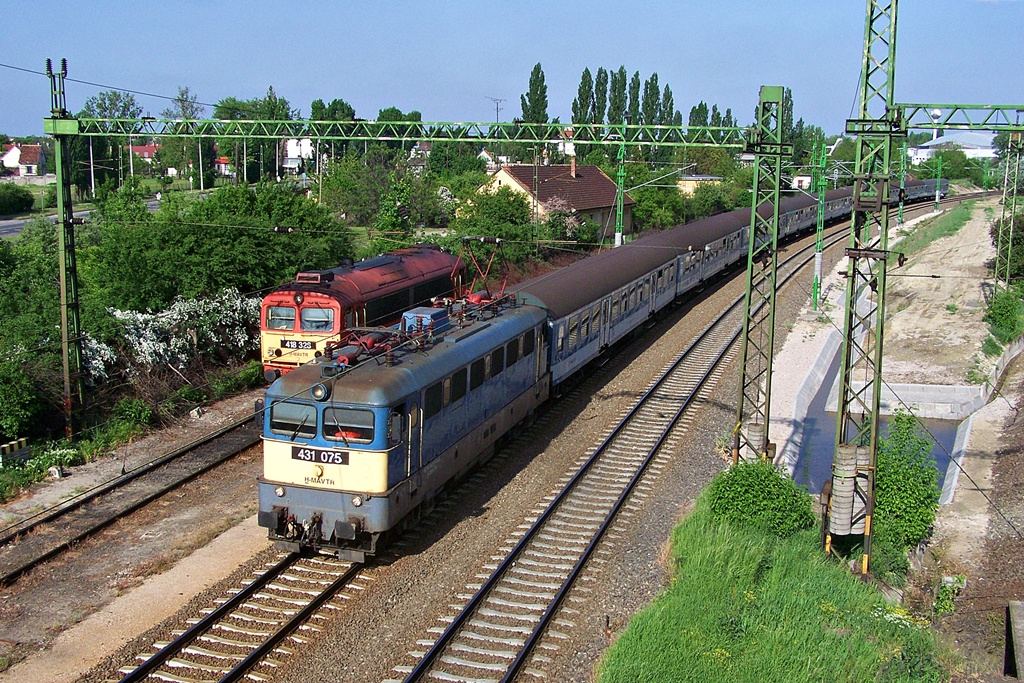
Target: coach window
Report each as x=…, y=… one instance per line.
x=615, y=308
x=632, y=297
x=458, y=385
x=561, y=336
x=528, y=342
x=432, y=401
x=317, y=319
x=512, y=352
x=585, y=325
x=595, y=318
x=280, y=318
x=497, y=361
x=477, y=374
x=573, y=330
x=293, y=419
x=348, y=425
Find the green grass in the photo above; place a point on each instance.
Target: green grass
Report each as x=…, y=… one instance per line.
x=745, y=606
x=941, y=226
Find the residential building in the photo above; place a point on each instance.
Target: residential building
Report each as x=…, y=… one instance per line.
x=25, y=160
x=689, y=183
x=146, y=152
x=588, y=192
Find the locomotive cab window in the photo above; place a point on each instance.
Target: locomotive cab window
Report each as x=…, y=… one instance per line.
x=497, y=361
x=396, y=428
x=293, y=419
x=317, y=319
x=280, y=317
x=348, y=425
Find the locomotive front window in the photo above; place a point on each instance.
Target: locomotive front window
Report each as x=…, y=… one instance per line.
x=317, y=319
x=280, y=317
x=293, y=419
x=348, y=425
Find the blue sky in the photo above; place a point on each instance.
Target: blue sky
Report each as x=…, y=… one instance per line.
x=447, y=58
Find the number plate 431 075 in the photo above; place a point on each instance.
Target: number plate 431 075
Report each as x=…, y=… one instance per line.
x=319, y=455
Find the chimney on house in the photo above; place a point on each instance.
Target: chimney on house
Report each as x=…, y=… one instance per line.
x=572, y=167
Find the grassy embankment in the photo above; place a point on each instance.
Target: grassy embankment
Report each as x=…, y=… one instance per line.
x=746, y=606
x=945, y=224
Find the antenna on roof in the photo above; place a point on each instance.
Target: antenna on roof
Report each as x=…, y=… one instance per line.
x=497, y=101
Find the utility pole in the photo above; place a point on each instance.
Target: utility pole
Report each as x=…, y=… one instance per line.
x=820, y=181
x=620, y=185
x=877, y=126
x=61, y=126
x=750, y=436
x=903, y=181
x=938, y=184
x=497, y=101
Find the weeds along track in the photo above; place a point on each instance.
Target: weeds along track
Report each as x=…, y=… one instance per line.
x=50, y=532
x=253, y=626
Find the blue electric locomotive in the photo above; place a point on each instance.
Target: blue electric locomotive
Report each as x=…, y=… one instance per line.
x=350, y=451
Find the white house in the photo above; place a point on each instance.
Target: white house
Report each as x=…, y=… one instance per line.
x=295, y=151
x=24, y=160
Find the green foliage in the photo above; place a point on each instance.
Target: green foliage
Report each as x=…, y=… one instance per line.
x=1005, y=315
x=1016, y=255
x=906, y=486
x=18, y=476
x=21, y=401
x=504, y=214
x=134, y=411
x=991, y=347
x=946, y=595
x=449, y=159
x=750, y=607
x=535, y=101
x=231, y=381
x=755, y=494
x=15, y=199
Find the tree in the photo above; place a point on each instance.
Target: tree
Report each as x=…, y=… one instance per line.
x=337, y=110
x=184, y=106
x=583, y=105
x=535, y=101
x=668, y=107
x=504, y=213
x=454, y=158
x=617, y=96
x=600, y=94
x=651, y=103
x=230, y=108
x=906, y=485
x=699, y=115
x=112, y=104
x=633, y=110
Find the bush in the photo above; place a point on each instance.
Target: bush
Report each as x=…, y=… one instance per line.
x=15, y=199
x=1005, y=315
x=757, y=495
x=50, y=197
x=907, y=484
x=134, y=411
x=991, y=347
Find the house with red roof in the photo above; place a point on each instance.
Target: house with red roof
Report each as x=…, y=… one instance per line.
x=24, y=160
x=586, y=190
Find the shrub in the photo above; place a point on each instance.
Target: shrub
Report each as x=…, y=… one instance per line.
x=134, y=411
x=15, y=199
x=755, y=494
x=1005, y=316
x=907, y=484
x=991, y=347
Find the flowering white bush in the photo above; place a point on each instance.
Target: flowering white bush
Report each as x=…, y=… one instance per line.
x=97, y=358
x=225, y=326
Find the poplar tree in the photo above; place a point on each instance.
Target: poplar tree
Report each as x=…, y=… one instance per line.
x=583, y=105
x=535, y=101
x=634, y=98
x=651, y=103
x=600, y=94
x=617, y=96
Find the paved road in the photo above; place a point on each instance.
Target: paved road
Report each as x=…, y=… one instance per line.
x=14, y=226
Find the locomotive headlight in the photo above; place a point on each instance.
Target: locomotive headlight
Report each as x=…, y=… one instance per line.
x=319, y=392
x=279, y=492
x=357, y=501
x=298, y=299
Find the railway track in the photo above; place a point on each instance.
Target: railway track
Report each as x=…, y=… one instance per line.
x=261, y=619
x=45, y=535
